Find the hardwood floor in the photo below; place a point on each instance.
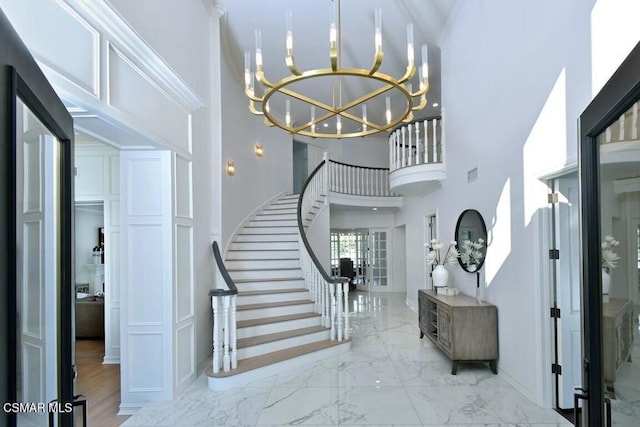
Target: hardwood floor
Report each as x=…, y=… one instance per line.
x=99, y=383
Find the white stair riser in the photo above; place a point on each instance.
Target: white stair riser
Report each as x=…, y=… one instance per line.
x=273, y=223
x=274, y=311
x=266, y=254
x=271, y=285
x=237, y=264
x=294, y=273
x=284, y=210
x=257, y=246
x=270, y=230
x=256, y=350
x=278, y=215
x=272, y=328
x=260, y=299
x=267, y=237
x=244, y=378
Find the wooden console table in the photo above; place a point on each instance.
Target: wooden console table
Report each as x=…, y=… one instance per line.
x=463, y=329
x=617, y=337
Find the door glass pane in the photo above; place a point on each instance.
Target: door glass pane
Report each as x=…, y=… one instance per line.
x=38, y=275
x=379, y=258
x=620, y=261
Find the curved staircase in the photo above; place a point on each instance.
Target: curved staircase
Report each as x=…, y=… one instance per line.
x=277, y=324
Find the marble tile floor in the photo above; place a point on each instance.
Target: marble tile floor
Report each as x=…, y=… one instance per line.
x=390, y=377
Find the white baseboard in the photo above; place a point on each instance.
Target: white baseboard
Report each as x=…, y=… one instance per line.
x=130, y=408
x=111, y=360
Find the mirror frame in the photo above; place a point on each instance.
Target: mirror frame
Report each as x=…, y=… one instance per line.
x=484, y=232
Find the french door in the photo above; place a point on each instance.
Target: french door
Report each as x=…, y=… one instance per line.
x=610, y=193
x=36, y=253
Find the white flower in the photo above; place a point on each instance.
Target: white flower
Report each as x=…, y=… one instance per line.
x=470, y=252
x=450, y=257
x=608, y=258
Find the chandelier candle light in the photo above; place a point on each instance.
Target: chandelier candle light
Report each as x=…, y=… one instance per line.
x=352, y=111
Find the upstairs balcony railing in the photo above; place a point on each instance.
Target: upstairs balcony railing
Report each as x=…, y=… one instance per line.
x=418, y=143
x=358, y=180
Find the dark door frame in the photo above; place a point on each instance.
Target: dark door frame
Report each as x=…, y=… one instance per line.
x=20, y=76
x=616, y=97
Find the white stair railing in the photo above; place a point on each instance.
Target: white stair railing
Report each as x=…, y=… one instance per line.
x=625, y=129
x=331, y=294
x=417, y=143
x=223, y=302
x=358, y=180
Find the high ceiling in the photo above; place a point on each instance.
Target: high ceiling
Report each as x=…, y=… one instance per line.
x=311, y=43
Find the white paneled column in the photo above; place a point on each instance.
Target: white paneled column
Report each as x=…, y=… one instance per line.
x=146, y=260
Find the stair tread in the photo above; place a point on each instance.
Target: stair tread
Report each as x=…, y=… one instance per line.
x=256, y=362
x=277, y=336
x=272, y=291
x=266, y=234
x=274, y=319
x=266, y=242
x=261, y=259
x=270, y=279
x=242, y=307
x=260, y=250
x=264, y=269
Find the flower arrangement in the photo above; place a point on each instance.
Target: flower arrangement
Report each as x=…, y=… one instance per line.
x=434, y=257
x=608, y=258
x=470, y=253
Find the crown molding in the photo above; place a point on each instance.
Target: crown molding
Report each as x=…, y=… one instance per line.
x=118, y=32
x=215, y=7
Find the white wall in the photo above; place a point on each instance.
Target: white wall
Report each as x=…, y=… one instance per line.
x=257, y=180
x=372, y=151
x=511, y=108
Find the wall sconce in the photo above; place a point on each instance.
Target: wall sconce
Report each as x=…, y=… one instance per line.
x=258, y=150
x=231, y=168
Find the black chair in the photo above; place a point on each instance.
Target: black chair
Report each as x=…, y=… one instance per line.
x=347, y=270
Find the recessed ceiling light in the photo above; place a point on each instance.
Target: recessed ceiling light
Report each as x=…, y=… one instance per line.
x=375, y=209
x=435, y=104
x=325, y=125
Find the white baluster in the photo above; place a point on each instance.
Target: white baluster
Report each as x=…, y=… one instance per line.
x=346, y=312
x=435, y=142
x=404, y=157
x=443, y=152
x=215, y=304
x=426, y=141
x=621, y=135
x=410, y=132
x=634, y=122
x=417, y=128
x=234, y=334
x=333, y=310
x=391, y=152
x=339, y=314
x=226, y=358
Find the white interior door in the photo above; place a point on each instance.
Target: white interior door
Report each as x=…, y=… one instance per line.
x=567, y=282
x=37, y=272
x=379, y=266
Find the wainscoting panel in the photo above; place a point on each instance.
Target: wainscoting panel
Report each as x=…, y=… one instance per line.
x=33, y=280
x=63, y=27
x=185, y=349
x=145, y=279
x=133, y=92
x=114, y=175
x=34, y=380
x=146, y=357
x=89, y=180
x=145, y=194
x=183, y=194
x=184, y=272
x=32, y=175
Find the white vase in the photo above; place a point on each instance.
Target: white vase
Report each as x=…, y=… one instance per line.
x=606, y=285
x=440, y=276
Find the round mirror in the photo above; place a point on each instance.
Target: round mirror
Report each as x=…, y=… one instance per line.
x=471, y=235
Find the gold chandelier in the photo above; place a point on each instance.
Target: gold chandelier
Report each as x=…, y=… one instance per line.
x=320, y=112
